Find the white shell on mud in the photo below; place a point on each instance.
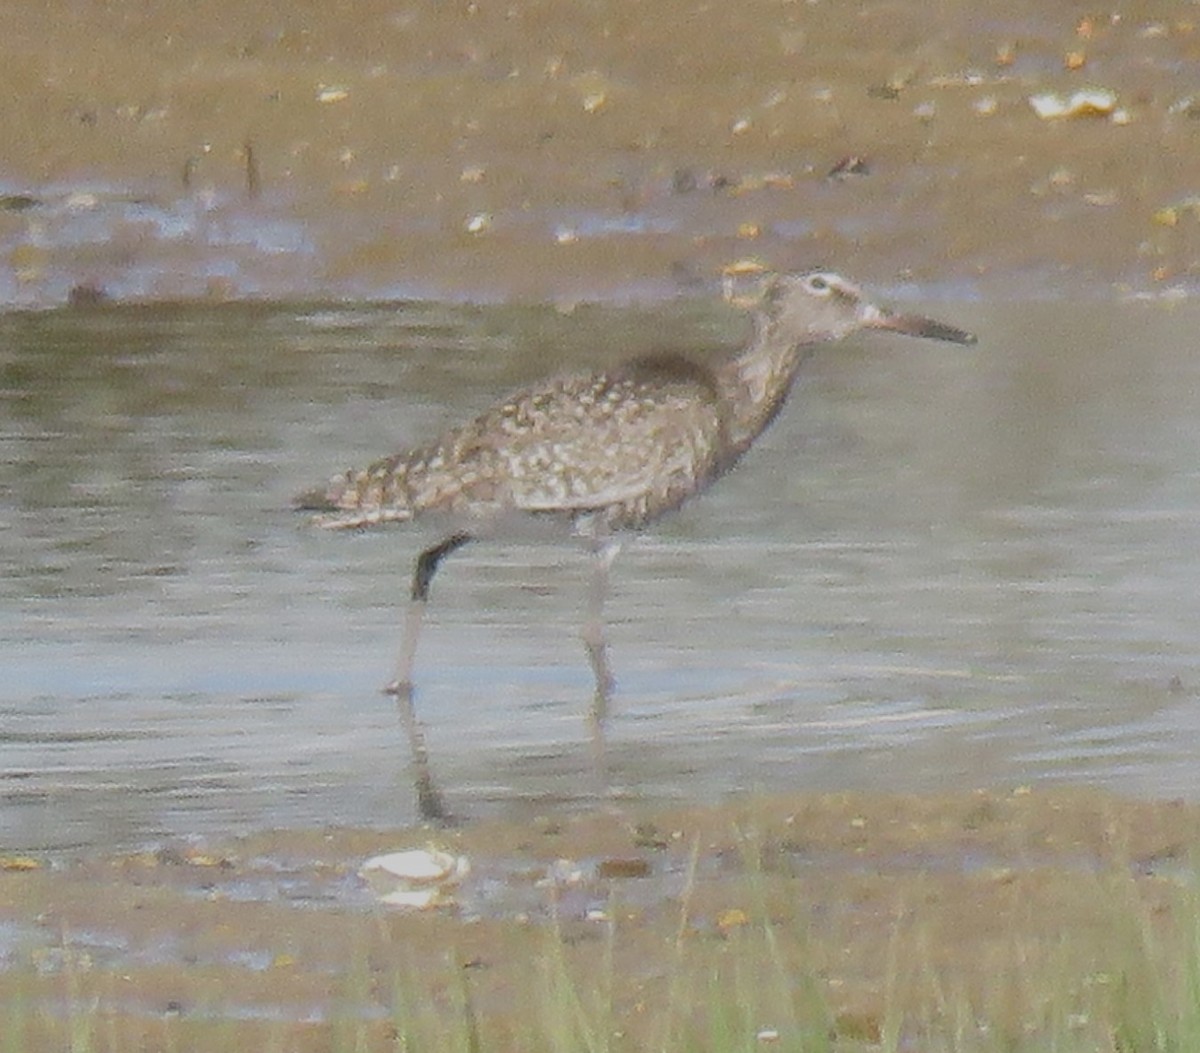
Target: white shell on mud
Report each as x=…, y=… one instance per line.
x=417, y=878
x=480, y=223
x=1092, y=102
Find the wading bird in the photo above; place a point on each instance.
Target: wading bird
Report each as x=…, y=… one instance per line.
x=607, y=451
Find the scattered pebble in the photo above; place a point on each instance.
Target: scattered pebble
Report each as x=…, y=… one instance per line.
x=888, y=92
x=85, y=294
x=1170, y=215
x=17, y=202
x=623, y=868
x=849, y=167
x=594, y=89
x=967, y=78
x=683, y=181
x=1061, y=178
x=734, y=918
x=563, y=872
x=332, y=93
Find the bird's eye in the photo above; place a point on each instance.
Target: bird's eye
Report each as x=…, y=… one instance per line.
x=818, y=283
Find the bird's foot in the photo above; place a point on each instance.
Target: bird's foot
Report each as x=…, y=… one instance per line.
x=431, y=806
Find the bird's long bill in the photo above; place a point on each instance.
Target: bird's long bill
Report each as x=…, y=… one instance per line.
x=918, y=325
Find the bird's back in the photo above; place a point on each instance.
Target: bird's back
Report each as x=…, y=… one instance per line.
x=624, y=446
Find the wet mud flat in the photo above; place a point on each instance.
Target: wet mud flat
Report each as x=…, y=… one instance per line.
x=1027, y=911
x=541, y=151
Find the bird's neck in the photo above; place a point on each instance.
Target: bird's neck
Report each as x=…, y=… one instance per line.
x=756, y=383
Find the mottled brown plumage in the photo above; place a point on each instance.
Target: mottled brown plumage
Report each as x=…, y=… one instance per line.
x=607, y=451
x=625, y=446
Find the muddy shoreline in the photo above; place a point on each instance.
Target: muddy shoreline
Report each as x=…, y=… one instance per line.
x=528, y=152
x=258, y=928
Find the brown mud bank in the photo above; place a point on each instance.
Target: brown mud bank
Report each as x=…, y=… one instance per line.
x=1013, y=908
x=543, y=150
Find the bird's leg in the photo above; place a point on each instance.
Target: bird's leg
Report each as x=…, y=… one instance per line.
x=427, y=565
x=604, y=551
x=430, y=805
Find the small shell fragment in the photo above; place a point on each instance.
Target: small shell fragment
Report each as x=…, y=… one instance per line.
x=561, y=873
x=1171, y=215
x=731, y=919
x=1091, y=102
x=332, y=93
x=594, y=90
x=479, y=223
x=745, y=266
x=733, y=273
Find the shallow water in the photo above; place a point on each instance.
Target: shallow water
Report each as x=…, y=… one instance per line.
x=940, y=569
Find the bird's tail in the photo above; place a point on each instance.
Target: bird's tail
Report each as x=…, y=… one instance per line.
x=321, y=499
x=353, y=500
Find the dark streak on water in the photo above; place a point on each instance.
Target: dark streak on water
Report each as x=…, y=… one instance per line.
x=941, y=569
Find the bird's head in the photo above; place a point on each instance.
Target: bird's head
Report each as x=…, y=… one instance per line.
x=820, y=305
